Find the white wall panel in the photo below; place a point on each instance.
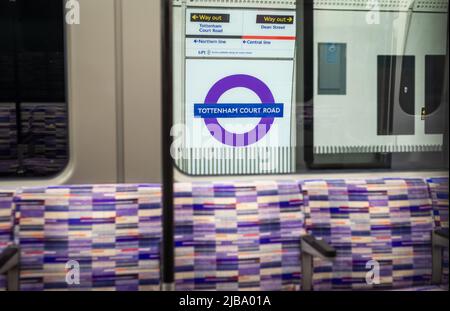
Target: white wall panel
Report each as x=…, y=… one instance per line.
x=142, y=90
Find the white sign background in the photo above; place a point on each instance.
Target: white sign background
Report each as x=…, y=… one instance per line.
x=202, y=74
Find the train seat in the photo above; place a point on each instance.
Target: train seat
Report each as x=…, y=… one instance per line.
x=110, y=234
x=439, y=198
x=238, y=235
x=379, y=227
x=229, y=235
x=6, y=224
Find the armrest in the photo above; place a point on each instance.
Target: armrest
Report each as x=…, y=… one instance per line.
x=312, y=247
x=439, y=241
x=317, y=248
x=442, y=232
x=440, y=238
x=9, y=258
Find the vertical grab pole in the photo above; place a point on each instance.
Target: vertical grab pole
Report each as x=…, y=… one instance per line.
x=167, y=256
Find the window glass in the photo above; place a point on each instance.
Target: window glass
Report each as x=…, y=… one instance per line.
x=33, y=108
x=393, y=87
x=272, y=87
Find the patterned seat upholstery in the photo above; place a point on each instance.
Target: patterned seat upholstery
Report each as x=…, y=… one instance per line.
x=238, y=236
x=387, y=220
x=6, y=223
x=112, y=232
x=439, y=197
x=228, y=235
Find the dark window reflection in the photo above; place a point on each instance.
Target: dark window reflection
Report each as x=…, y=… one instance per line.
x=33, y=109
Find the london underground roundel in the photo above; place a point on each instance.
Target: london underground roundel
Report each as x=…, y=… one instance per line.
x=260, y=130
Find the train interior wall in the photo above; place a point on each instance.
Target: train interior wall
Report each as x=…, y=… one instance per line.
x=113, y=95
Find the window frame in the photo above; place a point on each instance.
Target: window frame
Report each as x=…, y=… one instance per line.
x=18, y=102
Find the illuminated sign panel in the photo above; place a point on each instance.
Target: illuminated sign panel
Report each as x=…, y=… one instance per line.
x=246, y=103
x=239, y=71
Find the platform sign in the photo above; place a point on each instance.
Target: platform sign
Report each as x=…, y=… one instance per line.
x=238, y=103
x=239, y=73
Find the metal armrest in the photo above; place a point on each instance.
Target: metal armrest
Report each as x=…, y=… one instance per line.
x=440, y=238
x=312, y=247
x=9, y=265
x=9, y=258
x=317, y=248
x=439, y=242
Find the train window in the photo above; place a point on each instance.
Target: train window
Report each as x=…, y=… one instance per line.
x=272, y=87
x=33, y=106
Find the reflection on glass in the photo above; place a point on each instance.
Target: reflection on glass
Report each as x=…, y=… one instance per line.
x=33, y=109
x=376, y=70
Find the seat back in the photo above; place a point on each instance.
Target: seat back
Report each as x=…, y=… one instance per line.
x=6, y=223
x=439, y=197
x=375, y=224
x=238, y=236
x=229, y=235
x=107, y=235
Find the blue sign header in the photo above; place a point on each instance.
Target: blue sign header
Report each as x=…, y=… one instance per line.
x=206, y=111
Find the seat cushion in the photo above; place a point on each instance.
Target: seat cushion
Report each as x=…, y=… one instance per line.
x=238, y=236
x=384, y=220
x=110, y=234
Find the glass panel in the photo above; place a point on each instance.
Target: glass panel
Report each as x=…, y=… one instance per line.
x=272, y=87
x=234, y=69
x=33, y=109
x=381, y=120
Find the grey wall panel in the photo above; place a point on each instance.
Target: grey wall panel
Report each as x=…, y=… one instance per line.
x=91, y=61
x=141, y=90
x=113, y=66
x=90, y=66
